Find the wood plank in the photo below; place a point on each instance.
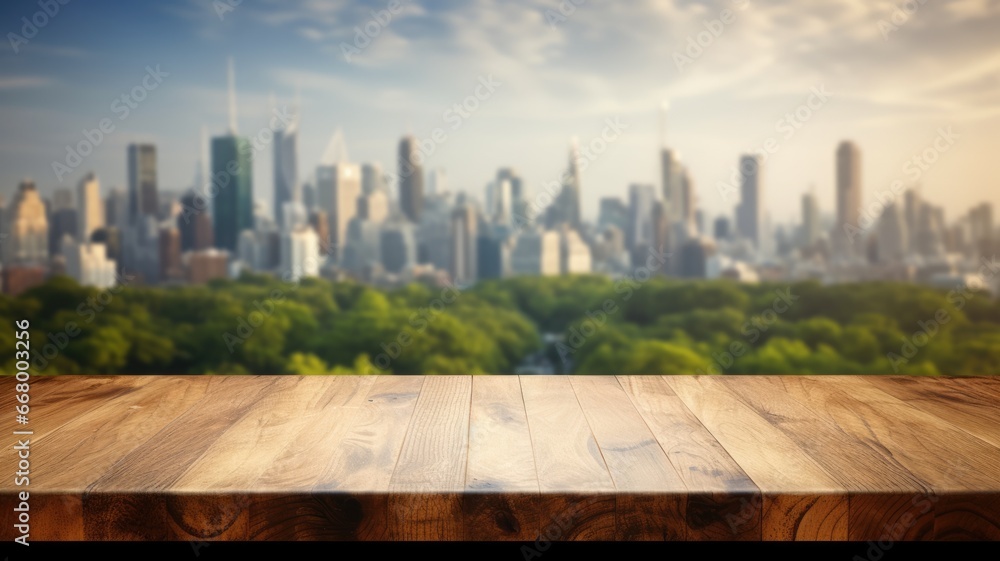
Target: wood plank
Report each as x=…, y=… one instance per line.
x=650, y=494
x=54, y=405
x=84, y=449
x=244, y=451
x=880, y=489
x=427, y=484
x=947, y=458
x=954, y=463
x=132, y=500
x=968, y=403
x=723, y=503
x=348, y=498
x=800, y=500
x=364, y=459
x=290, y=500
x=568, y=461
x=501, y=482
x=297, y=470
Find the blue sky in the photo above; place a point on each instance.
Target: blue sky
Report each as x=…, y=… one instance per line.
x=895, y=80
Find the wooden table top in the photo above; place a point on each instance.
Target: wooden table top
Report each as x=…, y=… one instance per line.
x=507, y=457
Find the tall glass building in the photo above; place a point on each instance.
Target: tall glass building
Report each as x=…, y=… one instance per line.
x=232, y=186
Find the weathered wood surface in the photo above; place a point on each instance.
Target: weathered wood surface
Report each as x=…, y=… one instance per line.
x=508, y=458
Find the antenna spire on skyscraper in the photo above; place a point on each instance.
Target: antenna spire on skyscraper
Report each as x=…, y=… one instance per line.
x=232, y=98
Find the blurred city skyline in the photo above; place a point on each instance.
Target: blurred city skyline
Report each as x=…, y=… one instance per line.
x=897, y=75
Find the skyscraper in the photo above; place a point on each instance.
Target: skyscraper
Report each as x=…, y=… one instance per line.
x=892, y=235
x=661, y=237
x=338, y=188
x=170, y=254
x=492, y=256
x=232, y=174
x=749, y=213
x=398, y=244
x=518, y=195
x=145, y=251
x=309, y=196
x=27, y=228
x=142, y=195
x=434, y=232
x=372, y=178
x=320, y=223
x=463, y=244
x=688, y=202
x=62, y=223
x=981, y=223
x=695, y=254
x=569, y=199
x=810, y=219
x=640, y=203
x=286, y=179
x=62, y=199
x=374, y=206
x=116, y=209
x=232, y=180
x=613, y=212
x=503, y=202
x=671, y=174
x=411, y=180
x=672, y=178
x=90, y=214
x=930, y=242
x=848, y=186
x=193, y=222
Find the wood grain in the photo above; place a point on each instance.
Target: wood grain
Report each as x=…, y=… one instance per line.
x=293, y=502
x=576, y=487
x=800, y=501
x=952, y=462
x=111, y=511
x=348, y=499
x=501, y=482
x=530, y=458
x=425, y=501
x=54, y=405
x=75, y=457
x=244, y=451
x=879, y=496
x=723, y=503
x=650, y=494
x=297, y=469
x=967, y=403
